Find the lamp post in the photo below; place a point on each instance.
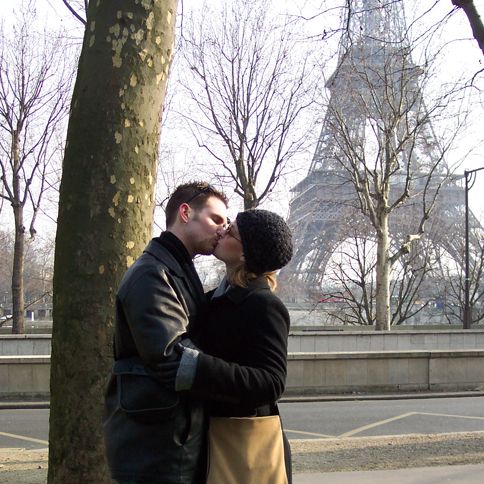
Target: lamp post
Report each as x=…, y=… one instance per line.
x=470, y=178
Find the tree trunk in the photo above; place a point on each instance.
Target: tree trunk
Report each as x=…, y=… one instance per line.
x=382, y=294
x=105, y=215
x=249, y=201
x=18, y=302
x=250, y=196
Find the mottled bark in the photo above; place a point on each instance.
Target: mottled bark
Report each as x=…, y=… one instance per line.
x=383, y=268
x=105, y=214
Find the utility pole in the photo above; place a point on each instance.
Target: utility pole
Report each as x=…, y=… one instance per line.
x=470, y=178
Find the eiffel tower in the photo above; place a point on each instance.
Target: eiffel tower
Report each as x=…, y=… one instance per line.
x=374, y=73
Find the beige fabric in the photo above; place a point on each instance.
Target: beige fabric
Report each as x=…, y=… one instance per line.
x=247, y=450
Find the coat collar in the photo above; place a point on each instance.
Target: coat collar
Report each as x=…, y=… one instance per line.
x=238, y=294
x=155, y=249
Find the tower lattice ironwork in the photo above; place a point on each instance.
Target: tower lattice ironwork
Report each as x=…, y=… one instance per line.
x=374, y=77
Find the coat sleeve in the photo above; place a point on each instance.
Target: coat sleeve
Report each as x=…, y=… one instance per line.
x=155, y=316
x=260, y=379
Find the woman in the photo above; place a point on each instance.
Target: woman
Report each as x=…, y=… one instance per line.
x=242, y=370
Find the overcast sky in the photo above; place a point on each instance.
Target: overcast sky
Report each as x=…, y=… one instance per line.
x=468, y=58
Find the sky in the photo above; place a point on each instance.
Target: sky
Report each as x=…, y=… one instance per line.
x=465, y=56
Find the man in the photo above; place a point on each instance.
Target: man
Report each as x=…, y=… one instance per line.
x=152, y=434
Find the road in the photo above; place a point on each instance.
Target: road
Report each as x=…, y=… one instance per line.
x=29, y=428
x=24, y=428
x=382, y=417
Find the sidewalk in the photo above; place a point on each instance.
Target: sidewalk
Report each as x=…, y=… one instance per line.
x=21, y=466
x=468, y=474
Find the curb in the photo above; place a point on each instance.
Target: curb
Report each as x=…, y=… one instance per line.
x=34, y=405
x=391, y=396
x=24, y=405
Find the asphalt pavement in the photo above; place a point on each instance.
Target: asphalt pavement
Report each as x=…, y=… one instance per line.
x=468, y=474
x=24, y=426
x=370, y=418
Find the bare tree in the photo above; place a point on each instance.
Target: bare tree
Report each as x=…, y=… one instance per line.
x=451, y=280
x=34, y=90
x=412, y=276
x=351, y=275
x=384, y=140
x=38, y=272
x=106, y=204
x=6, y=259
x=251, y=83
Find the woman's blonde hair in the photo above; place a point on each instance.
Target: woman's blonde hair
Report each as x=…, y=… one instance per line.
x=241, y=277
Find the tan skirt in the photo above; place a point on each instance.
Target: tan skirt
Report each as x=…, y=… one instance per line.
x=246, y=450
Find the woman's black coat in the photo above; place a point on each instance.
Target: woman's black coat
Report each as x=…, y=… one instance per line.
x=242, y=370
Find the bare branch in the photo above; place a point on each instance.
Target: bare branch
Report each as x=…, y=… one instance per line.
x=474, y=18
x=250, y=94
x=74, y=12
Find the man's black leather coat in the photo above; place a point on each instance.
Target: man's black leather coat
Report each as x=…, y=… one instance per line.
x=151, y=432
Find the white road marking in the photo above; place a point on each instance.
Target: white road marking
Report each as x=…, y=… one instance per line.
x=23, y=437
x=449, y=415
x=399, y=417
x=309, y=433
x=376, y=424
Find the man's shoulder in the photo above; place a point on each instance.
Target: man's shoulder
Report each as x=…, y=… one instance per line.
x=144, y=267
x=150, y=260
x=156, y=257
x=158, y=252
x=154, y=261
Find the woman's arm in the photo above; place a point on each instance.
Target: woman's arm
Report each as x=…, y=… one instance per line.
x=256, y=381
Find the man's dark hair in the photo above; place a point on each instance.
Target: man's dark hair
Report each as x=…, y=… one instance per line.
x=195, y=193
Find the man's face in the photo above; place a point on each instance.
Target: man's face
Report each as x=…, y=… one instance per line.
x=206, y=226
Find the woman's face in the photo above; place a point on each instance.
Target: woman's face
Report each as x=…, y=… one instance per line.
x=229, y=248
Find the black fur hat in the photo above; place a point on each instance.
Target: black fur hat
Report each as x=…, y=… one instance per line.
x=266, y=239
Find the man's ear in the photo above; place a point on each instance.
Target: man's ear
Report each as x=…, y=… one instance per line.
x=242, y=258
x=184, y=212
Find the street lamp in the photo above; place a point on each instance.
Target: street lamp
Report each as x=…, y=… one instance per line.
x=470, y=178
